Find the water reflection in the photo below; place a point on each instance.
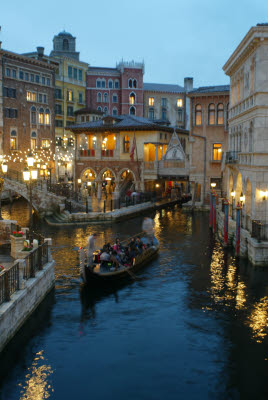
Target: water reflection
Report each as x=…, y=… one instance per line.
x=37, y=384
x=258, y=319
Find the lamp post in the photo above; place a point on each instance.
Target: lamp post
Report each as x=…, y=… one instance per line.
x=4, y=170
x=242, y=201
x=30, y=175
x=233, y=197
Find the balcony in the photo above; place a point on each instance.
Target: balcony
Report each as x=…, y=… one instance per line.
x=87, y=153
x=167, y=169
x=107, y=153
x=231, y=157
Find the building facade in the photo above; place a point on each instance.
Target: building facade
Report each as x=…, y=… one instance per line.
x=208, y=139
x=247, y=159
x=28, y=109
x=168, y=103
x=116, y=91
x=127, y=149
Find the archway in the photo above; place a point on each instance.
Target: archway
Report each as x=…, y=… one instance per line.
x=231, y=185
x=239, y=188
x=88, y=178
x=127, y=181
x=107, y=179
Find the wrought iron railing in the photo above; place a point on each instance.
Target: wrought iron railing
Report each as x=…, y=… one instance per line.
x=259, y=230
x=231, y=157
x=34, y=262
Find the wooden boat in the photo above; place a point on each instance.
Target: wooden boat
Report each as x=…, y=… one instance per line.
x=98, y=274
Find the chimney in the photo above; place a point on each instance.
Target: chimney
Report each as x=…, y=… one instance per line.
x=188, y=84
x=40, y=52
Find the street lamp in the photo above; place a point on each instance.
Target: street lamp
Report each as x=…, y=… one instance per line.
x=213, y=185
x=4, y=170
x=242, y=201
x=30, y=175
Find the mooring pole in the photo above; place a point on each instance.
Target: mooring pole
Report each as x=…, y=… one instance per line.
x=226, y=222
x=214, y=212
x=238, y=228
x=211, y=211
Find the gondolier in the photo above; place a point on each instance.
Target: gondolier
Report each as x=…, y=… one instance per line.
x=90, y=248
x=148, y=228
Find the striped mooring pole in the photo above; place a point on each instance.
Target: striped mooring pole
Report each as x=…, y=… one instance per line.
x=238, y=228
x=214, y=212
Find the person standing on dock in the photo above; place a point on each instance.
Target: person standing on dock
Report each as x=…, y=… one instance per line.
x=90, y=248
x=148, y=228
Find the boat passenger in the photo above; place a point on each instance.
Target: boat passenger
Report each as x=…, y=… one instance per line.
x=114, y=259
x=139, y=244
x=117, y=246
x=90, y=248
x=148, y=228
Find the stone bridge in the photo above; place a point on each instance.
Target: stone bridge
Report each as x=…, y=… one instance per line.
x=44, y=202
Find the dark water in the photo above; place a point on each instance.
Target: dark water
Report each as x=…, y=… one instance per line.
x=194, y=328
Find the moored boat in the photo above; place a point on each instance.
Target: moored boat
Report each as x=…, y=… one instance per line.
x=99, y=274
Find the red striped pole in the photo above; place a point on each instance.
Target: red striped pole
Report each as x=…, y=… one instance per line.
x=238, y=229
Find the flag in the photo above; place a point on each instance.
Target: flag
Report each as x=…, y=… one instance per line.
x=133, y=149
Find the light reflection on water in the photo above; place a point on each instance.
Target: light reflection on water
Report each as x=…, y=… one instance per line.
x=196, y=309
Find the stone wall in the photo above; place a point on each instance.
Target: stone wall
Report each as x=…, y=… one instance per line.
x=14, y=313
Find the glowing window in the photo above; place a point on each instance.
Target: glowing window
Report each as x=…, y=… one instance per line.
x=216, y=152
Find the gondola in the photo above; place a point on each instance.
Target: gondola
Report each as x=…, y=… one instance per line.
x=99, y=274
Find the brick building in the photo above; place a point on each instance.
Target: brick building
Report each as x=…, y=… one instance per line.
x=28, y=108
x=208, y=138
x=116, y=91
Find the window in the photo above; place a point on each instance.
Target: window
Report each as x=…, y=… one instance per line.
x=216, y=152
x=198, y=114
x=116, y=84
x=220, y=114
x=80, y=97
x=43, y=80
x=37, y=78
x=33, y=115
x=14, y=74
x=132, y=98
x=21, y=75
x=33, y=140
x=26, y=75
x=45, y=143
x=163, y=102
x=130, y=83
x=69, y=95
x=105, y=110
x=9, y=92
x=161, y=134
x=32, y=77
x=75, y=73
x=164, y=114
x=45, y=98
x=103, y=83
x=211, y=114
x=58, y=109
x=80, y=75
x=70, y=71
x=151, y=101
x=179, y=103
x=126, y=144
x=217, y=181
x=82, y=118
x=7, y=71
x=110, y=84
x=10, y=112
x=105, y=97
x=65, y=44
x=180, y=115
x=134, y=83
x=99, y=98
x=57, y=93
x=115, y=98
x=48, y=81
x=98, y=83
x=47, y=117
x=132, y=111
x=151, y=113
x=58, y=123
x=40, y=97
x=115, y=111
x=13, y=140
x=99, y=108
x=70, y=111
x=41, y=116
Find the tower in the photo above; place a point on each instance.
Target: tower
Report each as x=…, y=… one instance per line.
x=64, y=45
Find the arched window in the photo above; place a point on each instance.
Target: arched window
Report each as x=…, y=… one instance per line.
x=116, y=84
x=130, y=83
x=211, y=114
x=41, y=116
x=65, y=44
x=134, y=83
x=98, y=83
x=99, y=98
x=220, y=114
x=105, y=110
x=105, y=97
x=132, y=98
x=126, y=144
x=33, y=115
x=99, y=108
x=115, y=112
x=132, y=111
x=198, y=114
x=103, y=83
x=33, y=140
x=47, y=117
x=13, y=140
x=110, y=84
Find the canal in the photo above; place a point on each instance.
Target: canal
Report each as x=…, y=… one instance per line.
x=194, y=327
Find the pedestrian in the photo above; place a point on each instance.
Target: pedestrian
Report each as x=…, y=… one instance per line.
x=148, y=228
x=90, y=248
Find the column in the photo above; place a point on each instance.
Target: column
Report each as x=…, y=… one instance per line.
x=156, y=157
x=238, y=228
x=98, y=148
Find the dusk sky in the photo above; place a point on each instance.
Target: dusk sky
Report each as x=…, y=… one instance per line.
x=174, y=38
